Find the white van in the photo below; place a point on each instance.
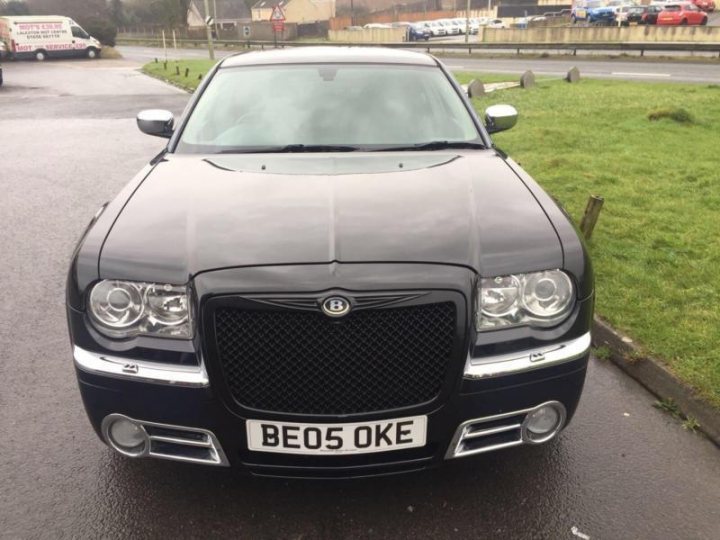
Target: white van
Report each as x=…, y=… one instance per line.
x=42, y=37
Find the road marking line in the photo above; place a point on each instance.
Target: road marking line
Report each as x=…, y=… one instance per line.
x=632, y=74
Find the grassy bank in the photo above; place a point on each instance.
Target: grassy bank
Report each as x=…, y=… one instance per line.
x=650, y=150
x=183, y=73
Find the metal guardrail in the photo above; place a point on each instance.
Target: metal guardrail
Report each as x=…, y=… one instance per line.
x=624, y=46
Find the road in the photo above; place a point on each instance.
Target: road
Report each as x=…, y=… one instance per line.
x=655, y=70
x=623, y=469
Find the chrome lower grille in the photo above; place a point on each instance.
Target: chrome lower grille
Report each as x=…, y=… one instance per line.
x=495, y=433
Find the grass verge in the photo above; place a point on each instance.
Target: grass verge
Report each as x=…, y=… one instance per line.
x=186, y=74
x=656, y=249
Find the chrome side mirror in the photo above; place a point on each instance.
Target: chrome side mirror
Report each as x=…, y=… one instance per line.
x=156, y=122
x=500, y=118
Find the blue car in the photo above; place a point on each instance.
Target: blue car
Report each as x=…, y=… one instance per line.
x=594, y=12
x=415, y=32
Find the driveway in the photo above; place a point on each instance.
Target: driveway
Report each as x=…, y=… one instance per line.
x=623, y=469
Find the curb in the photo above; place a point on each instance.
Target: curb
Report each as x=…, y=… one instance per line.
x=656, y=378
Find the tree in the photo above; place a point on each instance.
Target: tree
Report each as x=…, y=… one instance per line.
x=79, y=10
x=168, y=13
x=14, y=7
x=117, y=12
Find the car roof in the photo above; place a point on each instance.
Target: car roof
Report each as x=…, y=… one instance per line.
x=329, y=55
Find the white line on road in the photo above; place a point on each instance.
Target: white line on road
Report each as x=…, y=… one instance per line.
x=631, y=74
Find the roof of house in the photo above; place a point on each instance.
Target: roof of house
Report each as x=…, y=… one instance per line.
x=269, y=4
x=226, y=9
x=329, y=55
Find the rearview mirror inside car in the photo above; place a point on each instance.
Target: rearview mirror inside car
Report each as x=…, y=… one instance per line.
x=156, y=122
x=500, y=117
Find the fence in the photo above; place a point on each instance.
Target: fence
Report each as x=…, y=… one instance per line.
x=624, y=46
x=602, y=34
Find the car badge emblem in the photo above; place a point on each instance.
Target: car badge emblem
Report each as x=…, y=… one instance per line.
x=335, y=306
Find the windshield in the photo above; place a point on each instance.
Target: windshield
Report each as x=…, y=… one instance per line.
x=354, y=106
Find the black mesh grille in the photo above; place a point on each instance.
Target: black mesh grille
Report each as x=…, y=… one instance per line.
x=305, y=362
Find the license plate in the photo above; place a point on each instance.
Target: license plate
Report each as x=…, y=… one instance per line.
x=334, y=439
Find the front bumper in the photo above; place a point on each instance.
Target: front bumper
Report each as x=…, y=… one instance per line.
x=502, y=386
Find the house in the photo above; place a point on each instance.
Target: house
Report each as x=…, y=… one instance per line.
x=227, y=13
x=295, y=11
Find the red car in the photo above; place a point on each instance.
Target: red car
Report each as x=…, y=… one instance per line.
x=705, y=5
x=683, y=14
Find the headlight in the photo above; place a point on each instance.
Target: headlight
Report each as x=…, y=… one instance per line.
x=122, y=309
x=537, y=299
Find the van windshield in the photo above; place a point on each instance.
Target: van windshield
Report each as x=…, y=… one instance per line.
x=356, y=106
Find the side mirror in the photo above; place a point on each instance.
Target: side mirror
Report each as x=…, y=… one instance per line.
x=156, y=122
x=500, y=118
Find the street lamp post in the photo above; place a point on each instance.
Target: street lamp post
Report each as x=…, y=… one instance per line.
x=211, y=49
x=467, y=22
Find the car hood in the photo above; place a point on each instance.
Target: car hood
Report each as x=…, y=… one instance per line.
x=193, y=213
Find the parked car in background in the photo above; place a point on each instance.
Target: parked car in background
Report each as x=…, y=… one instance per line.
x=437, y=29
x=602, y=15
x=705, y=5
x=44, y=37
x=629, y=15
x=496, y=23
x=650, y=14
x=581, y=11
x=452, y=28
x=681, y=14
x=415, y=32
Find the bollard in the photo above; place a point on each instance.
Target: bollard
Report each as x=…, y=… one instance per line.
x=527, y=80
x=187, y=72
x=573, y=75
x=592, y=213
x=177, y=70
x=476, y=88
x=165, y=66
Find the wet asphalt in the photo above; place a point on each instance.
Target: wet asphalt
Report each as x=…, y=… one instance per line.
x=68, y=143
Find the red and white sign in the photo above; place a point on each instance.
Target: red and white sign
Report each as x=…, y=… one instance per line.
x=277, y=14
x=277, y=19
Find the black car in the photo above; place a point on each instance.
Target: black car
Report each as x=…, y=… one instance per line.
x=329, y=271
x=649, y=14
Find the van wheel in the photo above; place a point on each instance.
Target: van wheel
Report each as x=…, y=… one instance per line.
x=683, y=22
x=40, y=56
x=92, y=53
x=704, y=21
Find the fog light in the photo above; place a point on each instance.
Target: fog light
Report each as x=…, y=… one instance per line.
x=125, y=436
x=543, y=422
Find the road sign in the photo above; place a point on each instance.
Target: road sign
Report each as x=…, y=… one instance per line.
x=209, y=21
x=246, y=31
x=278, y=26
x=277, y=14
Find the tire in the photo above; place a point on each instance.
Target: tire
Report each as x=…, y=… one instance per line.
x=40, y=55
x=683, y=22
x=92, y=53
x=703, y=22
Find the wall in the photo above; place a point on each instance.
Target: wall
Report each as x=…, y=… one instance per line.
x=306, y=11
x=374, y=35
x=338, y=23
x=554, y=34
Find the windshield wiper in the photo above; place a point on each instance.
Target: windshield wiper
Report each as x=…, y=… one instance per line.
x=433, y=145
x=288, y=149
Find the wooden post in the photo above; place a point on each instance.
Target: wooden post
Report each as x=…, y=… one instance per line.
x=592, y=213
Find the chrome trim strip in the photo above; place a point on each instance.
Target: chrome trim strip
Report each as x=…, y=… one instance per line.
x=140, y=370
x=491, y=431
x=217, y=455
x=521, y=362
